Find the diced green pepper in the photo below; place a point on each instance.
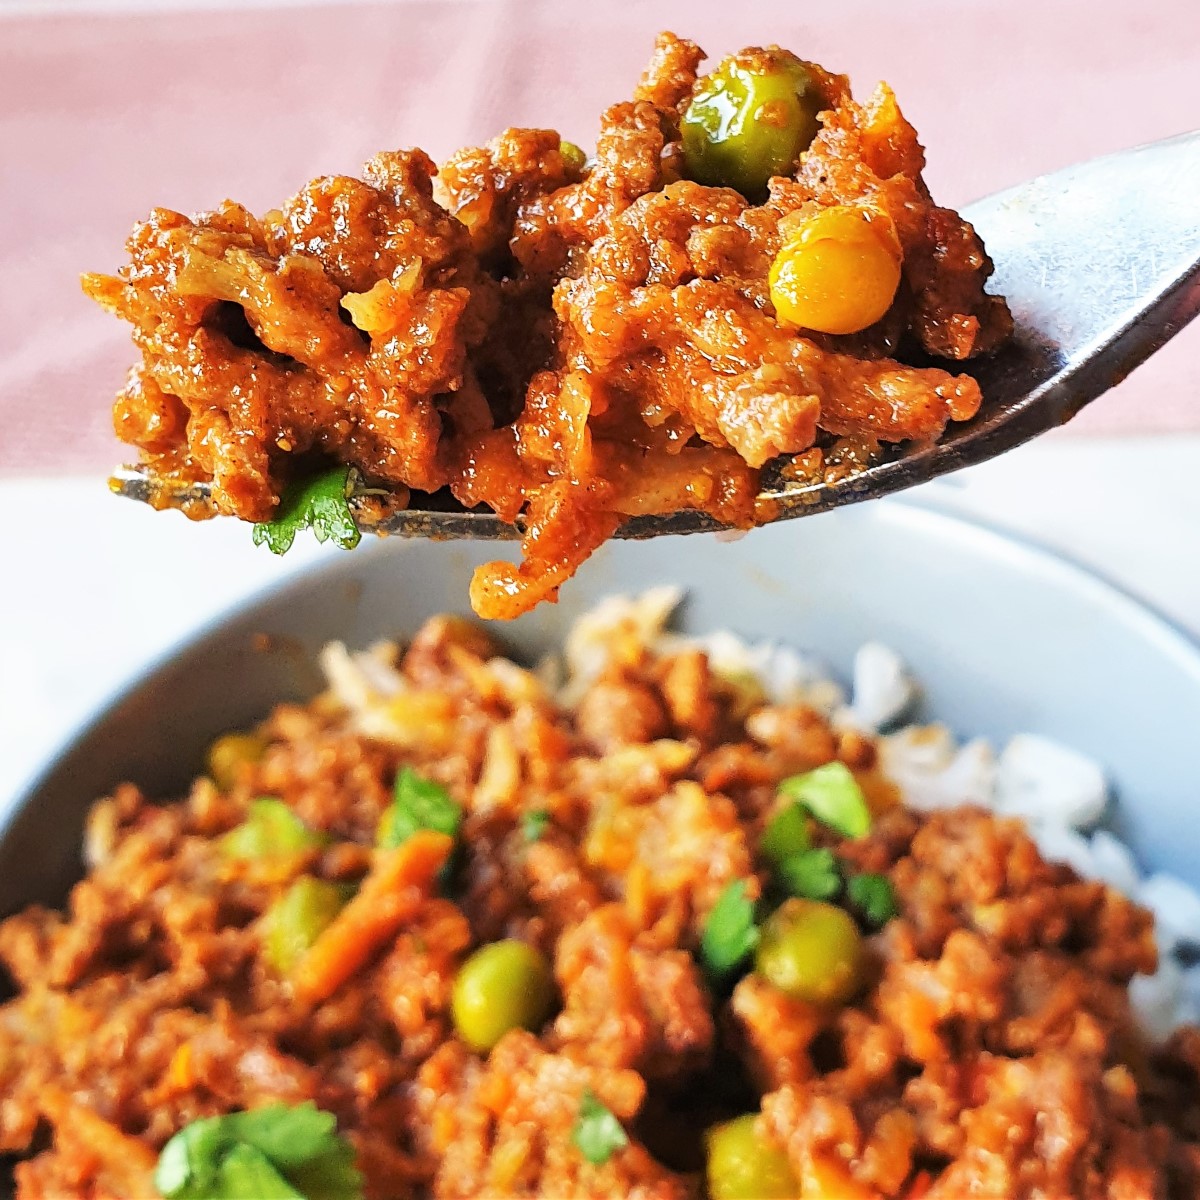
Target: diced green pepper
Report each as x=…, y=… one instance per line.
x=833, y=796
x=786, y=834
x=271, y=830
x=299, y=917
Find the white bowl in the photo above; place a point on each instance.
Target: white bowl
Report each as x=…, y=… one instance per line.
x=1005, y=637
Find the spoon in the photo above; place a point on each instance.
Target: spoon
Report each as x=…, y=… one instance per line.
x=1100, y=263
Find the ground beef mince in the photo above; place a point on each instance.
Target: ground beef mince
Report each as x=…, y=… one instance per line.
x=629, y=833
x=572, y=340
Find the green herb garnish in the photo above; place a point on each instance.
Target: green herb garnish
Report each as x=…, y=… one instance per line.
x=811, y=875
x=275, y=1153
x=874, y=897
x=419, y=804
x=786, y=833
x=320, y=503
x=534, y=824
x=271, y=830
x=730, y=933
x=832, y=795
x=597, y=1133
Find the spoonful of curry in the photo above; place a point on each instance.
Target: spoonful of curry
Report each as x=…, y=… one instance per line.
x=743, y=306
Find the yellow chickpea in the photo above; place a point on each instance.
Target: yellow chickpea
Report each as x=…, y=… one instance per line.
x=838, y=272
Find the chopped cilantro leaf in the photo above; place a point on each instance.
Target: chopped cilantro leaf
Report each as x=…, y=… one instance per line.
x=811, y=874
x=274, y=1153
x=419, y=804
x=534, y=824
x=786, y=833
x=730, y=933
x=874, y=897
x=832, y=795
x=246, y=1173
x=320, y=503
x=597, y=1133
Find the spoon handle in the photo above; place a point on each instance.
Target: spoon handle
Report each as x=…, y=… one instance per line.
x=1100, y=263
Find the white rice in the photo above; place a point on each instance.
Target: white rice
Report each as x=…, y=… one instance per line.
x=933, y=771
x=1176, y=909
x=1046, y=782
x=883, y=689
x=1060, y=793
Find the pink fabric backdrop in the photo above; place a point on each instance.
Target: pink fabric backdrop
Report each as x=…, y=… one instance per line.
x=102, y=117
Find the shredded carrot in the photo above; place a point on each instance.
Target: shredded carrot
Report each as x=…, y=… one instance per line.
x=827, y=1179
x=127, y=1163
x=399, y=882
x=921, y=1183
x=181, y=1071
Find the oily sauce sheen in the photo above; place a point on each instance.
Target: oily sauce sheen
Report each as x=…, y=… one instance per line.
x=578, y=342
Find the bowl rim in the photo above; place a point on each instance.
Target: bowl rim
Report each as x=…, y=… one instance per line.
x=1175, y=640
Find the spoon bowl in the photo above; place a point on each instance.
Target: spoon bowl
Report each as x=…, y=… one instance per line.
x=1100, y=264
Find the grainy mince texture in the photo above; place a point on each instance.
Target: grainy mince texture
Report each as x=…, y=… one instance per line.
x=575, y=342
x=991, y=1050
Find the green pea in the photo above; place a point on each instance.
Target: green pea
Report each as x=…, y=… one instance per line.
x=750, y=119
x=743, y=1165
x=812, y=951
x=298, y=918
x=271, y=830
x=502, y=986
x=573, y=156
x=228, y=754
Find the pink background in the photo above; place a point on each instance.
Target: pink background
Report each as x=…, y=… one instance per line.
x=103, y=116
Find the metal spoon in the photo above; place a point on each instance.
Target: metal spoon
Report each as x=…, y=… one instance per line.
x=1101, y=266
